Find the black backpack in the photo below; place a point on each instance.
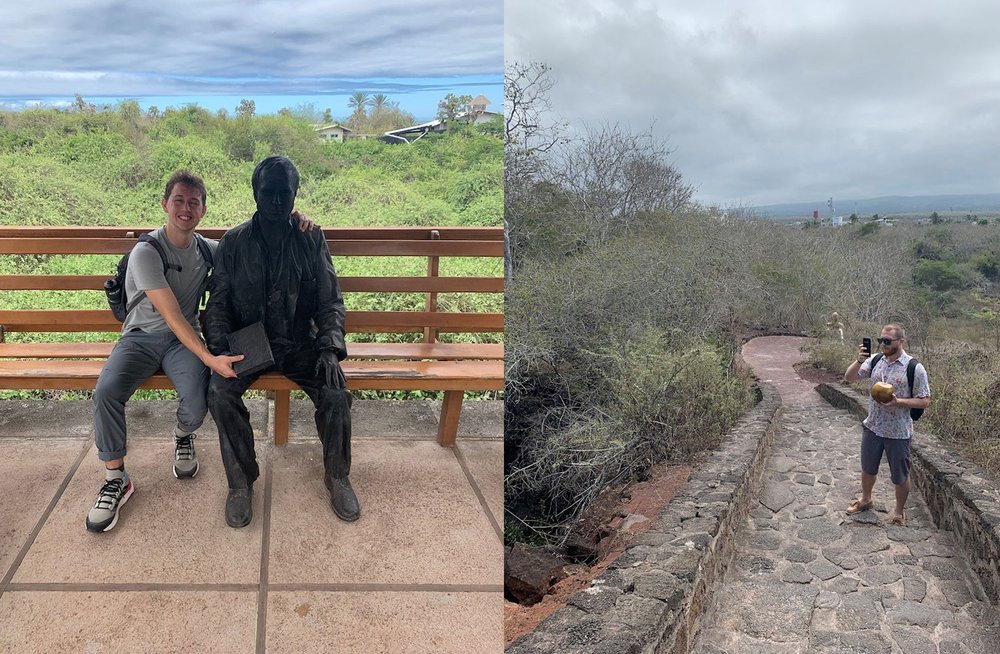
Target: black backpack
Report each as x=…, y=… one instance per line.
x=114, y=288
x=911, y=371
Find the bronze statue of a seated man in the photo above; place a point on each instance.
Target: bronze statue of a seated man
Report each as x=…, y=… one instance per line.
x=269, y=272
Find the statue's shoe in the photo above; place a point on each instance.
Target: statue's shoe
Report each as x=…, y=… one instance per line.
x=342, y=498
x=238, y=507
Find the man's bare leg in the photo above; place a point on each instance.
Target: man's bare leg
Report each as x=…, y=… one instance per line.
x=867, y=484
x=902, y=492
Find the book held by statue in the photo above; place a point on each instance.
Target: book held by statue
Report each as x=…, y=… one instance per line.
x=252, y=343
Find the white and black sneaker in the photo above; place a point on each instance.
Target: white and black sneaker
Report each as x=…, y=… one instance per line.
x=114, y=493
x=185, y=458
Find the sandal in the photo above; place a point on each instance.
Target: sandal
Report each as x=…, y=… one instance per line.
x=857, y=506
x=899, y=520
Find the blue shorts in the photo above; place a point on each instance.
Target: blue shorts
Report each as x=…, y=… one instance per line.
x=897, y=452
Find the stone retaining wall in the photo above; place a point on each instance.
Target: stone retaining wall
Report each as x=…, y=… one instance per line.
x=961, y=496
x=652, y=597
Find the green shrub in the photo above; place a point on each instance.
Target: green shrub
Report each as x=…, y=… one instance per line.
x=939, y=275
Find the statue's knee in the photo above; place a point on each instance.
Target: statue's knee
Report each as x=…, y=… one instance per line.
x=335, y=399
x=218, y=395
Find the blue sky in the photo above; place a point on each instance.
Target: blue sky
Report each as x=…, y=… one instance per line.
x=279, y=54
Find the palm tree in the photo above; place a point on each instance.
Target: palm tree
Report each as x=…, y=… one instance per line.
x=379, y=103
x=358, y=102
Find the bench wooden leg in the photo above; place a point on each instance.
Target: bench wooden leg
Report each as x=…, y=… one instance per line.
x=281, y=411
x=451, y=410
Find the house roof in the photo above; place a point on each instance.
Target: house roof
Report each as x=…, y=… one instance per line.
x=320, y=128
x=480, y=100
x=422, y=127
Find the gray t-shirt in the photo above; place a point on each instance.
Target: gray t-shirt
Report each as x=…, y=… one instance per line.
x=145, y=272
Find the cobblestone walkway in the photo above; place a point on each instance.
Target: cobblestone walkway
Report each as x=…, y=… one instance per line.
x=808, y=578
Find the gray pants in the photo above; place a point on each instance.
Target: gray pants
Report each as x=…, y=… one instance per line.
x=135, y=358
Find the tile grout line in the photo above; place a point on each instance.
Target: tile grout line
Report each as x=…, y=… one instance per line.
x=388, y=588
x=265, y=546
x=479, y=493
x=70, y=587
x=128, y=587
x=45, y=516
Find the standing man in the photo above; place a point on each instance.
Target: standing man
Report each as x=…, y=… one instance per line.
x=161, y=331
x=268, y=272
x=888, y=427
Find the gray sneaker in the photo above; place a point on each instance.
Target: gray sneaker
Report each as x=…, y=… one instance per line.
x=185, y=458
x=114, y=493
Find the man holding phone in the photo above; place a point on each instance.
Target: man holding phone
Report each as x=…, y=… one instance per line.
x=888, y=427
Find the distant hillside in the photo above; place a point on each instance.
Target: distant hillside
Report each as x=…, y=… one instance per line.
x=886, y=205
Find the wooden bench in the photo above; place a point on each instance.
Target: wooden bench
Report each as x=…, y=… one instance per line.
x=428, y=365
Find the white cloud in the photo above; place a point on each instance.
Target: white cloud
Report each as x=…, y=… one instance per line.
x=775, y=101
x=104, y=47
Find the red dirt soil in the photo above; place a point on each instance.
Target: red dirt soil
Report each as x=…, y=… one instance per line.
x=646, y=498
x=807, y=372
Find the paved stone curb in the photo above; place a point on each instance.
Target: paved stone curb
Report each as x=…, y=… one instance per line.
x=653, y=596
x=962, y=497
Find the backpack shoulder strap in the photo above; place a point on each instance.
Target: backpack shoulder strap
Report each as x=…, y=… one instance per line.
x=911, y=371
x=206, y=251
x=146, y=238
x=876, y=359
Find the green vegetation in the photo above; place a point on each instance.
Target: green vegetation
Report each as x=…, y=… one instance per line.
x=947, y=296
x=626, y=303
x=620, y=298
x=87, y=167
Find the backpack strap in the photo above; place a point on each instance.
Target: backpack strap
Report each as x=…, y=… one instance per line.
x=147, y=238
x=875, y=360
x=911, y=371
x=206, y=251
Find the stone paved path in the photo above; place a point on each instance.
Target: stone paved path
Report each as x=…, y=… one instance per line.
x=808, y=578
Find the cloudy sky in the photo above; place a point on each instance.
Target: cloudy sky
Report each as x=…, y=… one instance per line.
x=218, y=51
x=775, y=101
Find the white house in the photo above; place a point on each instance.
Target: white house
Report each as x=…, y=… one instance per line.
x=477, y=111
x=332, y=132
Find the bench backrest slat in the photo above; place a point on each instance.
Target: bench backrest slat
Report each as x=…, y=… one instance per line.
x=332, y=233
x=431, y=243
x=347, y=284
x=20, y=245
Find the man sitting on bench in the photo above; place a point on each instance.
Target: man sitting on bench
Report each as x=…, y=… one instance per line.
x=266, y=272
x=160, y=331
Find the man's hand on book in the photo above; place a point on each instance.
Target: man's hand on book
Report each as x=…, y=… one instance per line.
x=223, y=364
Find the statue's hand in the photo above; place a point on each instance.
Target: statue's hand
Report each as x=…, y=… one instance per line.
x=328, y=366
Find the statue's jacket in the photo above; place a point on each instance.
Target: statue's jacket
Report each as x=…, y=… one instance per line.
x=289, y=285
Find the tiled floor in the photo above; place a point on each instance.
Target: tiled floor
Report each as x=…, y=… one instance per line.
x=421, y=570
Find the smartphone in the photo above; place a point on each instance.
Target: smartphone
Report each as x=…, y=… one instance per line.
x=867, y=344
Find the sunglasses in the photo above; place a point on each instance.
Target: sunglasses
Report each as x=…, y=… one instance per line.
x=886, y=341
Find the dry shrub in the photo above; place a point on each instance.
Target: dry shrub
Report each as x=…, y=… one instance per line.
x=653, y=403
x=965, y=384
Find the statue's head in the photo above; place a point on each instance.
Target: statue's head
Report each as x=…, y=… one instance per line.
x=275, y=183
